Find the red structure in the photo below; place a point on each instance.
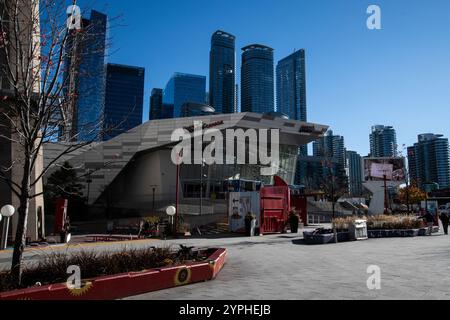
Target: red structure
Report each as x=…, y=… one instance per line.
x=299, y=202
x=61, y=215
x=276, y=203
x=127, y=284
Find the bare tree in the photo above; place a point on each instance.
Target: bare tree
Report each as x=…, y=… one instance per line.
x=40, y=61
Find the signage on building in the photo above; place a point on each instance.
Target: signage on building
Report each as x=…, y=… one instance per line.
x=206, y=126
x=376, y=168
x=381, y=170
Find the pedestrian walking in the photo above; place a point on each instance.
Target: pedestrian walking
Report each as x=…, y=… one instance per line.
x=429, y=218
x=445, y=220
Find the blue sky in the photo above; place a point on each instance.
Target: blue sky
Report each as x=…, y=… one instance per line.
x=356, y=77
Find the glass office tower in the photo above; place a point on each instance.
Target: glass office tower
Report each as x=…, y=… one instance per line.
x=85, y=71
x=183, y=88
x=291, y=86
x=222, y=72
x=291, y=97
x=124, y=99
x=257, y=79
x=156, y=104
x=429, y=161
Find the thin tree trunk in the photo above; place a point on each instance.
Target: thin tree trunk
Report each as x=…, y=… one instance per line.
x=21, y=234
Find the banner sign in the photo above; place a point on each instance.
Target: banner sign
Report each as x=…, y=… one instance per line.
x=376, y=168
x=241, y=203
x=379, y=170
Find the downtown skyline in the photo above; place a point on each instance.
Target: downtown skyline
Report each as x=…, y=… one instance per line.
x=371, y=77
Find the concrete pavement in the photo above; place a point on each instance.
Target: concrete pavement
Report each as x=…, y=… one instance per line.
x=282, y=267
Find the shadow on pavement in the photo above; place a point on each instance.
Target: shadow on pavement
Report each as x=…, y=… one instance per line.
x=288, y=237
x=300, y=242
x=216, y=236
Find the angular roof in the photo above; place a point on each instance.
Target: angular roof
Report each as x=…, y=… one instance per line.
x=104, y=161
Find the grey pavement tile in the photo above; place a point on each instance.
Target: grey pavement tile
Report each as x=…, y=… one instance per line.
x=274, y=268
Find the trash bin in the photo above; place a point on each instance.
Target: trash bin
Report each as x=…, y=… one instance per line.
x=358, y=230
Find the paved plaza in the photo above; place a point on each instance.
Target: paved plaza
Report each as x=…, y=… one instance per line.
x=283, y=267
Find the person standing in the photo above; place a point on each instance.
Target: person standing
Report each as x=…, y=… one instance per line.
x=445, y=221
x=429, y=218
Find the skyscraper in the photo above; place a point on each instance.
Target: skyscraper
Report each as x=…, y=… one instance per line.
x=124, y=98
x=85, y=71
x=330, y=152
x=222, y=72
x=236, y=99
x=291, y=96
x=156, y=104
x=429, y=161
x=291, y=86
x=257, y=79
x=183, y=88
x=383, y=142
x=354, y=173
x=330, y=146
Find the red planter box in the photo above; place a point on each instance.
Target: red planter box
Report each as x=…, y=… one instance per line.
x=130, y=284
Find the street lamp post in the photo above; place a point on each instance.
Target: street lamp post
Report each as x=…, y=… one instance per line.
x=154, y=186
x=177, y=190
x=171, y=212
x=407, y=180
x=408, y=188
x=334, y=204
x=333, y=201
x=386, y=196
x=89, y=181
x=201, y=186
x=7, y=212
x=153, y=199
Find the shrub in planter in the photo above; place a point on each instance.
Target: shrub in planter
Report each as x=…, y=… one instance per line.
x=343, y=224
x=53, y=268
x=384, y=222
x=386, y=226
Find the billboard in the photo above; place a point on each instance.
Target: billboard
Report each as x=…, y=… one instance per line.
x=376, y=168
x=240, y=204
x=380, y=170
